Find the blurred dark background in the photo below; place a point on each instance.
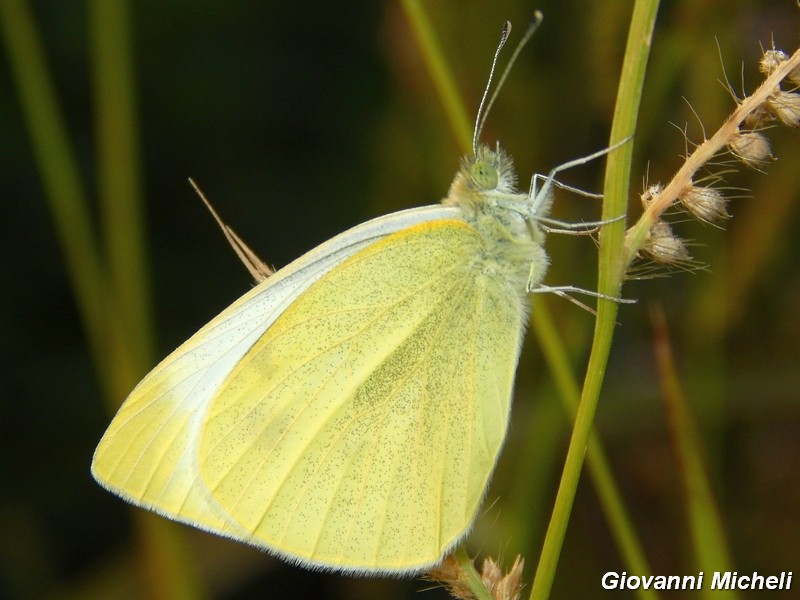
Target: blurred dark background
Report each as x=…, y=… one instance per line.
x=300, y=120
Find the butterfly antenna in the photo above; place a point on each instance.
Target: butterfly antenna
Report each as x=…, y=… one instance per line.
x=486, y=107
x=481, y=118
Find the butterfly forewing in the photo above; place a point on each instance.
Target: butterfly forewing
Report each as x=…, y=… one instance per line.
x=148, y=455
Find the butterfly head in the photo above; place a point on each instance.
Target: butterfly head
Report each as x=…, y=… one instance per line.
x=485, y=174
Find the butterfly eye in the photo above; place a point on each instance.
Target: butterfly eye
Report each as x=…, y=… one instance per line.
x=484, y=174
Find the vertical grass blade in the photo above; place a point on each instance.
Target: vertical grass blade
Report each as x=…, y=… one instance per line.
x=705, y=523
x=119, y=186
x=58, y=168
x=608, y=492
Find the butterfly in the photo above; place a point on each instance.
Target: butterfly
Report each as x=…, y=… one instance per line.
x=348, y=411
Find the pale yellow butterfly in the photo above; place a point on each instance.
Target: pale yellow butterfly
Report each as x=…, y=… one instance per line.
x=347, y=413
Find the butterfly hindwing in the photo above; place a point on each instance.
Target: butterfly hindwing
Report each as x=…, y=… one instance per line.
x=351, y=433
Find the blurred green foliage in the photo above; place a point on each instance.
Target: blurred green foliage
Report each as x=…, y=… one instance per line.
x=300, y=120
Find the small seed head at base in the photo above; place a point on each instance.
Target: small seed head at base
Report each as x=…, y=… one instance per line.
x=752, y=148
x=450, y=575
x=503, y=586
x=664, y=246
x=771, y=60
x=499, y=585
x=786, y=106
x=707, y=204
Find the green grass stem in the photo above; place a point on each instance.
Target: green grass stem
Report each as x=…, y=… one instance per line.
x=551, y=343
x=610, y=282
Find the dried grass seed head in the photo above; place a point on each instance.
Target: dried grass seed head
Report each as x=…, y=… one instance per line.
x=786, y=106
x=771, y=60
x=665, y=247
x=705, y=203
x=752, y=148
